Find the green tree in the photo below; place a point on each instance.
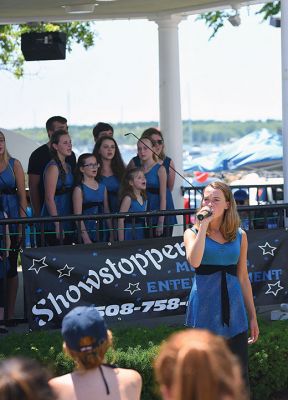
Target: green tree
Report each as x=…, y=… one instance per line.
x=11, y=58
x=215, y=20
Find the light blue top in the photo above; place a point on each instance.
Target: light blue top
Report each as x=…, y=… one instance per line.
x=204, y=306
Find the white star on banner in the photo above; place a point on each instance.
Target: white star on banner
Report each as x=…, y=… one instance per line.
x=274, y=292
x=270, y=249
x=38, y=264
x=133, y=287
x=65, y=271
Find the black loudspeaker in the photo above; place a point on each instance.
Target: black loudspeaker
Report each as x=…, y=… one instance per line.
x=37, y=46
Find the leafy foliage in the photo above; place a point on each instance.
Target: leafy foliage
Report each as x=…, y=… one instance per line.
x=217, y=19
x=11, y=58
x=194, y=132
x=137, y=347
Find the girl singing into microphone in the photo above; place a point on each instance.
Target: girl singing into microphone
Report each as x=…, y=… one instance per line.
x=221, y=293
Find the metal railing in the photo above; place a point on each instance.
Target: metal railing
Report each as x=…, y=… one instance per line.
x=257, y=194
x=33, y=234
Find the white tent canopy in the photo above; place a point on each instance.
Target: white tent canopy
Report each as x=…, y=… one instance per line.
x=19, y=146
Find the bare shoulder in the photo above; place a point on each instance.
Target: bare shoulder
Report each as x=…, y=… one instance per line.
x=59, y=381
x=131, y=382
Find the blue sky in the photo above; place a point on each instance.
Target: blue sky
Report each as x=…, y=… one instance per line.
x=235, y=76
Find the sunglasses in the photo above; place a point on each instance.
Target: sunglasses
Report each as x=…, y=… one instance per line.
x=160, y=141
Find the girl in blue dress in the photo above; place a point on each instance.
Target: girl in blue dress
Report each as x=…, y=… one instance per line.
x=14, y=203
x=111, y=171
x=90, y=197
x=221, y=293
x=133, y=199
x=155, y=135
x=156, y=183
x=58, y=184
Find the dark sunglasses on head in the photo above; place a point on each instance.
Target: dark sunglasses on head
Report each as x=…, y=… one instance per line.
x=160, y=141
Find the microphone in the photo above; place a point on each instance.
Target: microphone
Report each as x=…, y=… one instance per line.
x=204, y=214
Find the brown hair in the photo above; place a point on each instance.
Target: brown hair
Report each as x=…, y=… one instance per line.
x=197, y=365
x=24, y=379
x=231, y=219
x=147, y=134
x=126, y=189
x=90, y=359
x=117, y=163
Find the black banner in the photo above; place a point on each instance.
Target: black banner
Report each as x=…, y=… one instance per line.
x=135, y=280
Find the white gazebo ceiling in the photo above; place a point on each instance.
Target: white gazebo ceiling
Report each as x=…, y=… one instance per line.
x=21, y=11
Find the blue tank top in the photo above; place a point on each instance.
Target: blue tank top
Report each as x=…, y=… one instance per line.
x=62, y=197
x=9, y=197
x=204, y=306
x=112, y=185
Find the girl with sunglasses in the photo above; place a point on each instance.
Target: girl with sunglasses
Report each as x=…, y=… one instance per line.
x=90, y=197
x=157, y=140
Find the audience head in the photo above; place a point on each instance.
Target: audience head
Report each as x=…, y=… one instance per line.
x=24, y=379
x=241, y=197
x=102, y=129
x=157, y=139
x=3, y=149
x=87, y=163
x=197, y=365
x=106, y=148
x=56, y=123
x=85, y=335
x=133, y=178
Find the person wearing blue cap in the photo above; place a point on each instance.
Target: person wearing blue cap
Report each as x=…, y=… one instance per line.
x=86, y=340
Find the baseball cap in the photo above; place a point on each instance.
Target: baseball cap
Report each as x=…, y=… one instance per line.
x=240, y=194
x=83, y=329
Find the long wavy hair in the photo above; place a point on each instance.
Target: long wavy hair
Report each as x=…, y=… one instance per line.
x=90, y=359
x=148, y=133
x=54, y=139
x=231, y=219
x=6, y=154
x=126, y=188
x=117, y=163
x=197, y=365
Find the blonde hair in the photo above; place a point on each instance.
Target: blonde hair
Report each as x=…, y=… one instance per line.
x=90, y=359
x=231, y=219
x=197, y=365
x=6, y=154
x=141, y=140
